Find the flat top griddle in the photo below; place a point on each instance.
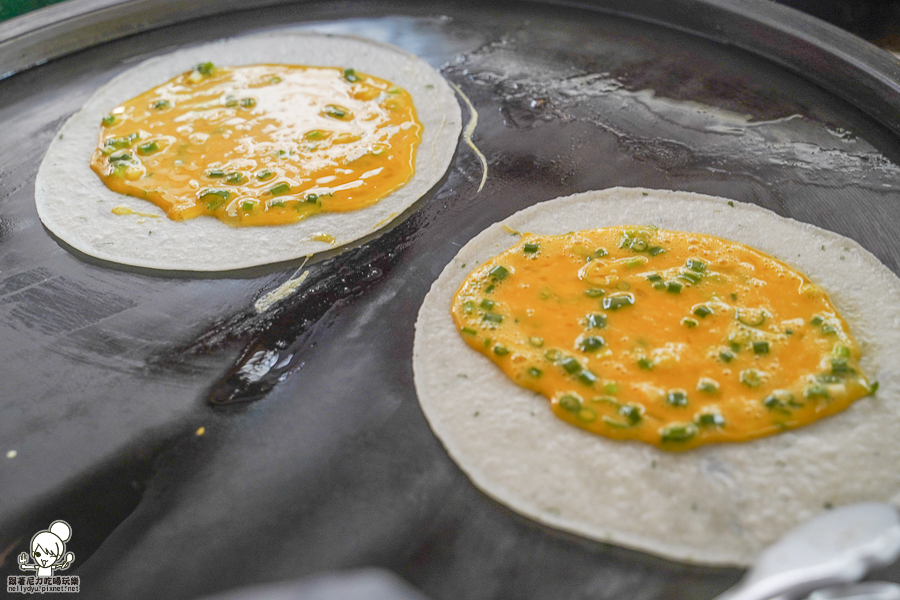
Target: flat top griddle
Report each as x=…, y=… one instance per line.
x=315, y=455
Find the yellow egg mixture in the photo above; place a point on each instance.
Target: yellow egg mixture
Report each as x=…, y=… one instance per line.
x=675, y=339
x=261, y=144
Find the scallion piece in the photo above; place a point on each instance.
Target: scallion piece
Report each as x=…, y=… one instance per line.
x=695, y=265
x=656, y=250
x=468, y=331
x=690, y=277
x=645, y=363
x=534, y=372
x=726, y=356
x=654, y=277
x=501, y=350
x=487, y=304
x=631, y=412
x=206, y=68
x=570, y=403
x=816, y=320
x=594, y=292
x=689, y=323
x=703, y=311
x=673, y=287
x=536, y=341
x=351, y=76
x=678, y=432
x=761, y=347
x=336, y=111
x=815, y=391
x=161, y=104
x=710, y=419
x=677, y=398
x=312, y=198
x=570, y=365
x=215, y=173
x=248, y=102
x=751, y=378
x=493, y=317
x=499, y=273
x=234, y=178
x=707, y=385
x=265, y=175
x=591, y=343
x=530, y=248
x=109, y=120
x=148, y=148
x=281, y=188
x=617, y=301
x=596, y=321
x=587, y=378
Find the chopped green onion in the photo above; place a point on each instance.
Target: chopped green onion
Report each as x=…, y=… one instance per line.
x=639, y=246
x=726, y=356
x=281, y=188
x=645, y=363
x=215, y=173
x=631, y=412
x=248, y=102
x=468, y=331
x=351, y=76
x=501, y=350
x=816, y=320
x=591, y=343
x=710, y=419
x=530, y=248
x=498, y=273
x=487, y=304
x=677, y=398
x=656, y=250
x=695, y=265
x=828, y=330
x=689, y=323
x=535, y=372
x=751, y=378
x=493, y=317
x=248, y=205
x=206, y=68
x=588, y=415
x=265, y=175
x=839, y=367
x=815, y=391
x=678, y=432
x=754, y=317
x=703, y=311
x=312, y=198
x=336, y=111
x=673, y=287
x=570, y=403
x=120, y=157
x=617, y=301
x=659, y=285
x=690, y=277
x=587, y=378
x=148, y=148
x=596, y=321
x=536, y=341
x=594, y=292
x=841, y=351
x=710, y=386
x=571, y=365
x=654, y=277
x=761, y=347
x=234, y=178
x=552, y=354
x=489, y=289
x=109, y=120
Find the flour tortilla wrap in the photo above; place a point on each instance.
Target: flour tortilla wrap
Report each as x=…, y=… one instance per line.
x=717, y=504
x=76, y=206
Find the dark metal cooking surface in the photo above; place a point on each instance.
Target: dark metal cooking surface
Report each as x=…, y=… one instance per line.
x=315, y=455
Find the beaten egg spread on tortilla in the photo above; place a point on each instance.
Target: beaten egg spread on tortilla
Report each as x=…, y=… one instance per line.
x=291, y=161
x=675, y=339
x=261, y=144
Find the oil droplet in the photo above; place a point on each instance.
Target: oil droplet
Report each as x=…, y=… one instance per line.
x=201, y=431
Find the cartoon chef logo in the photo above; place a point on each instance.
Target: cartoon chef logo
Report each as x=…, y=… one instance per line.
x=48, y=549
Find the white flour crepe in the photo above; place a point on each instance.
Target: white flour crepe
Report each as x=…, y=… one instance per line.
x=76, y=206
x=718, y=504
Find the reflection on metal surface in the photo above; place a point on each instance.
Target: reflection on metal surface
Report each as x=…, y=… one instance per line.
x=469, y=130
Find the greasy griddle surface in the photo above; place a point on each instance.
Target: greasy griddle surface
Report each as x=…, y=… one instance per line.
x=107, y=373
